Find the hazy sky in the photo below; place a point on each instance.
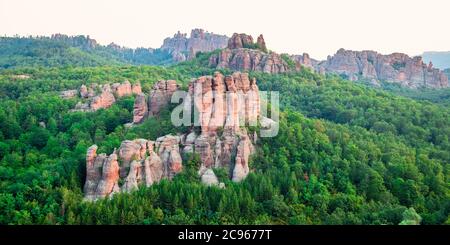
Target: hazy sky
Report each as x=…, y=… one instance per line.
x=318, y=27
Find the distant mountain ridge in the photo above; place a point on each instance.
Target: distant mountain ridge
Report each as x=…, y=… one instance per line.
x=64, y=50
x=398, y=68
x=182, y=47
x=368, y=66
x=80, y=50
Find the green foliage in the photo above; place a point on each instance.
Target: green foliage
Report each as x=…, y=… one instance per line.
x=72, y=51
x=410, y=217
x=289, y=61
x=345, y=154
x=251, y=45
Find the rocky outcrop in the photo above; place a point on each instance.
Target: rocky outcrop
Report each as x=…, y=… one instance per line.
x=102, y=174
x=244, y=150
x=238, y=41
x=305, y=61
x=261, y=44
x=242, y=54
x=104, y=100
x=158, y=98
x=140, y=110
x=224, y=103
x=137, y=162
x=182, y=47
x=97, y=96
x=396, y=68
x=160, y=95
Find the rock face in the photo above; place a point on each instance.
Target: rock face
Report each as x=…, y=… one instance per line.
x=240, y=41
x=141, y=162
x=375, y=67
x=224, y=104
x=182, y=47
x=104, y=100
x=261, y=43
x=140, y=110
x=152, y=105
x=102, y=174
x=101, y=96
x=242, y=54
x=305, y=60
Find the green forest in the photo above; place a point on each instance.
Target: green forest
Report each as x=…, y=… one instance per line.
x=346, y=153
x=77, y=51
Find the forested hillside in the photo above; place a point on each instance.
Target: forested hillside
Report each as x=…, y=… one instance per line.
x=345, y=154
x=78, y=51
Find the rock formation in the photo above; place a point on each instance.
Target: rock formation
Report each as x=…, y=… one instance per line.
x=102, y=174
x=261, y=44
x=225, y=104
x=375, y=67
x=305, y=61
x=182, y=47
x=238, y=41
x=137, y=162
x=242, y=54
x=140, y=109
x=104, y=100
x=159, y=97
x=101, y=96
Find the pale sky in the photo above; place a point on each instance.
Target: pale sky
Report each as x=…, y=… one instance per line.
x=318, y=27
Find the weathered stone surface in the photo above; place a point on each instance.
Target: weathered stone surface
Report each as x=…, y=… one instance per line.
x=102, y=174
x=167, y=148
x=136, y=88
x=136, y=176
x=122, y=89
x=305, y=61
x=67, y=94
x=109, y=184
x=375, y=67
x=226, y=103
x=104, y=100
x=182, y=47
x=140, y=110
x=142, y=162
x=244, y=150
x=94, y=100
x=159, y=98
x=241, y=40
x=261, y=43
x=160, y=95
x=93, y=172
